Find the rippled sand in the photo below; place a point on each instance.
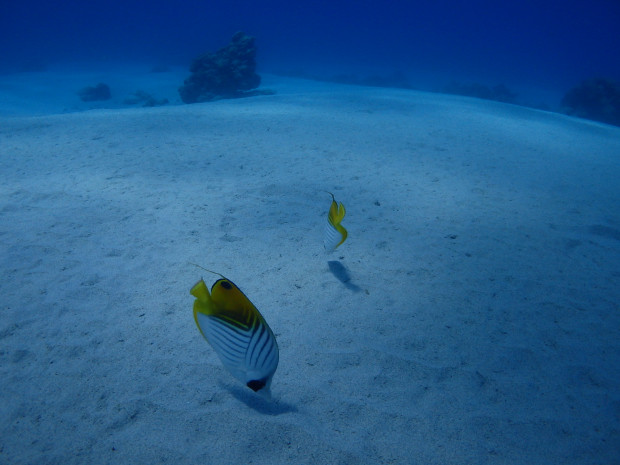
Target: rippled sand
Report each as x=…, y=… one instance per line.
x=471, y=316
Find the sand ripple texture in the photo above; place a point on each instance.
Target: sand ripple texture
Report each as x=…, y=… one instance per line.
x=471, y=317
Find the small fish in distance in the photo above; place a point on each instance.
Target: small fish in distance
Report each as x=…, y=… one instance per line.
x=335, y=234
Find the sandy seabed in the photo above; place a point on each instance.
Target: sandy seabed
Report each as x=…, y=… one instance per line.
x=472, y=316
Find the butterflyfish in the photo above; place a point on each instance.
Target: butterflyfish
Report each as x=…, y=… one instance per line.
x=238, y=333
x=335, y=234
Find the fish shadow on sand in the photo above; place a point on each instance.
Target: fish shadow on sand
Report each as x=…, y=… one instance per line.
x=260, y=404
x=342, y=274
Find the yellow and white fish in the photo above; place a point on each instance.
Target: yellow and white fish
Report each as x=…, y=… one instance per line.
x=335, y=234
x=237, y=332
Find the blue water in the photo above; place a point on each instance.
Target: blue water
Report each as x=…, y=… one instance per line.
x=534, y=47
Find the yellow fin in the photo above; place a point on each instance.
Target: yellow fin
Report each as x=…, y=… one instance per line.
x=203, y=303
x=200, y=291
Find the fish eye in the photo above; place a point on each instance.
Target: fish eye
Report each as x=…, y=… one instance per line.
x=226, y=285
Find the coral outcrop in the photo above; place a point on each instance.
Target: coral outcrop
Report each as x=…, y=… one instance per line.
x=597, y=99
x=228, y=73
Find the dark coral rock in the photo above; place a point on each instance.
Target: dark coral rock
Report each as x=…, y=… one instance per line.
x=597, y=99
x=228, y=73
x=91, y=94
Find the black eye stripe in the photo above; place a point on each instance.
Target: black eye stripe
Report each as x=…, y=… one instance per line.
x=226, y=285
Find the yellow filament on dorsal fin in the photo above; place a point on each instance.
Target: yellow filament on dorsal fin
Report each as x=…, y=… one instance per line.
x=208, y=271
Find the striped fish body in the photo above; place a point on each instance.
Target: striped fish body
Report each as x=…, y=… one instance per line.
x=237, y=332
x=335, y=234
